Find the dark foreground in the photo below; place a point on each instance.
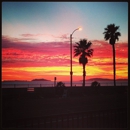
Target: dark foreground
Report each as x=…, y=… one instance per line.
x=104, y=107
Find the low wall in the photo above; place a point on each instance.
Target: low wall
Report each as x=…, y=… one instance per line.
x=58, y=92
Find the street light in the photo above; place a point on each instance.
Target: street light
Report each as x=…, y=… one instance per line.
x=71, y=72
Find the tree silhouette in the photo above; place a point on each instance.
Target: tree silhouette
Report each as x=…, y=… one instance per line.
x=112, y=35
x=95, y=84
x=82, y=49
x=60, y=84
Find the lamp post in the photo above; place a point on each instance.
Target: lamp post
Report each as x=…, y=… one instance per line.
x=71, y=72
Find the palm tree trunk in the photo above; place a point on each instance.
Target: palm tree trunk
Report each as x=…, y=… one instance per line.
x=84, y=75
x=114, y=65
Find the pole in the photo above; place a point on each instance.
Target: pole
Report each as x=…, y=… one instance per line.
x=71, y=73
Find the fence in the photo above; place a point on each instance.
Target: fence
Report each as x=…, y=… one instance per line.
x=114, y=118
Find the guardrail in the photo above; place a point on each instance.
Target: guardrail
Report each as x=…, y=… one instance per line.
x=114, y=118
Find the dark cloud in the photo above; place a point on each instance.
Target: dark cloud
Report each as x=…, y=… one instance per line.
x=41, y=47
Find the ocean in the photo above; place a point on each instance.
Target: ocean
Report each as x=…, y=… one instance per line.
x=26, y=84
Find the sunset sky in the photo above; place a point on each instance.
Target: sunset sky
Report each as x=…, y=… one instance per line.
x=36, y=39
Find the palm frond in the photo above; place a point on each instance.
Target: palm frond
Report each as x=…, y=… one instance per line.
x=106, y=29
x=88, y=45
x=117, y=34
x=89, y=53
x=75, y=46
x=78, y=44
x=106, y=36
x=77, y=53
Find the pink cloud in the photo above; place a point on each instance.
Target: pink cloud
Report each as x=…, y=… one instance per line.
x=28, y=35
x=62, y=37
x=103, y=49
x=18, y=53
x=41, y=47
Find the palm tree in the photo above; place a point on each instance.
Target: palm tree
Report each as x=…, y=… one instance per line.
x=111, y=33
x=82, y=49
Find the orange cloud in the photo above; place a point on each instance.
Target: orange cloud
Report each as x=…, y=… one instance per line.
x=53, y=59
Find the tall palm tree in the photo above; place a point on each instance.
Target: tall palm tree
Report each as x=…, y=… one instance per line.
x=82, y=49
x=111, y=33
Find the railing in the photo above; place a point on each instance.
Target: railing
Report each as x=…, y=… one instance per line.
x=52, y=85
x=114, y=118
x=26, y=85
